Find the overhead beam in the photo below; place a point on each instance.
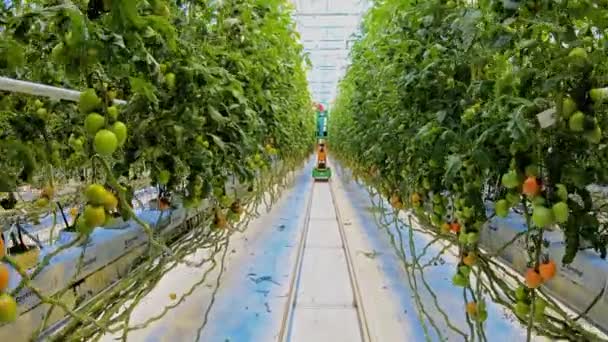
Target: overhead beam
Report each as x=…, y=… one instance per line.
x=330, y=14
x=324, y=49
x=326, y=40
x=330, y=27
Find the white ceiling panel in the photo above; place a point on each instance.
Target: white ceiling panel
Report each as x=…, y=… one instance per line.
x=327, y=29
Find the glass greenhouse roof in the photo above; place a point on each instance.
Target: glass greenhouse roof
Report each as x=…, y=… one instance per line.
x=328, y=29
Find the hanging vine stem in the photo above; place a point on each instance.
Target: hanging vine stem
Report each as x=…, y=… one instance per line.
x=508, y=244
x=415, y=282
x=135, y=281
x=45, y=261
x=143, y=275
x=124, y=204
x=215, y=290
x=500, y=287
x=419, y=308
x=538, y=239
x=45, y=299
x=60, y=294
x=130, y=289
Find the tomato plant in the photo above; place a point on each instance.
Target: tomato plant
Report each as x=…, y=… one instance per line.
x=481, y=102
x=212, y=89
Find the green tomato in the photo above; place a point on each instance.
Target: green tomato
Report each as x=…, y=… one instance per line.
x=576, y=122
x=510, y=180
x=540, y=305
x=170, y=79
x=89, y=101
x=120, y=130
x=560, y=212
x=502, y=208
x=95, y=194
x=460, y=280
x=94, y=216
x=562, y=192
x=105, y=142
x=568, y=107
x=542, y=216
x=578, y=53
x=42, y=202
x=599, y=95
x=8, y=308
x=472, y=238
x=482, y=315
x=539, y=309
x=594, y=136
x=113, y=113
x=93, y=123
x=521, y=293
x=82, y=227
x=41, y=113
x=464, y=270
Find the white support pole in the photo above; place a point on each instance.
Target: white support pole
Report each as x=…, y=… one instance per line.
x=30, y=88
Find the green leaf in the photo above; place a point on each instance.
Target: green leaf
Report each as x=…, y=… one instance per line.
x=218, y=142
x=453, y=167
x=215, y=115
x=144, y=88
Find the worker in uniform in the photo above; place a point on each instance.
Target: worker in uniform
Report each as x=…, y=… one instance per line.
x=322, y=157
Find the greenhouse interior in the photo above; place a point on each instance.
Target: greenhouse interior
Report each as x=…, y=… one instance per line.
x=303, y=170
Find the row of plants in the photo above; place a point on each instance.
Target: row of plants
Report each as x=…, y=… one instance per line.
x=453, y=107
x=212, y=90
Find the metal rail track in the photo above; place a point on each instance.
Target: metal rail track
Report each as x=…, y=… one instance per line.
x=288, y=318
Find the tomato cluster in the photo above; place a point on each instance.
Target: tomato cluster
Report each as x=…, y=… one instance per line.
x=8, y=305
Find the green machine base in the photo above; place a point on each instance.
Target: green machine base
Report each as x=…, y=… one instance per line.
x=321, y=174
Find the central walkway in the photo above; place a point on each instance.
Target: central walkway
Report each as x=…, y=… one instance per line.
x=316, y=268
x=324, y=296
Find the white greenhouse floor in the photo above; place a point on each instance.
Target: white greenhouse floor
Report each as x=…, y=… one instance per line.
x=315, y=268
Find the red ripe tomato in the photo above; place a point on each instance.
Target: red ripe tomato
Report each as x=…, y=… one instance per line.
x=547, y=270
x=455, y=227
x=533, y=278
x=531, y=187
